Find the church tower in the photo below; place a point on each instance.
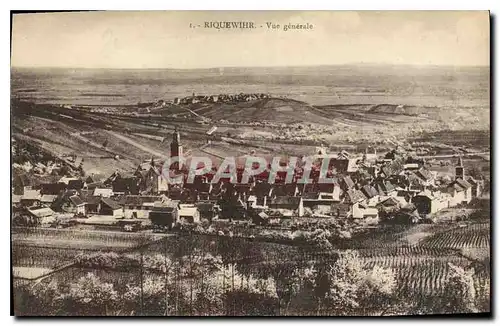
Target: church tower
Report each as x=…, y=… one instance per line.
x=459, y=169
x=175, y=146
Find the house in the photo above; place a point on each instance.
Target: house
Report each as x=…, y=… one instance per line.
x=353, y=196
x=31, y=198
x=201, y=186
x=423, y=177
x=346, y=183
x=48, y=200
x=54, y=188
x=393, y=202
x=135, y=206
x=16, y=200
x=76, y=184
x=330, y=191
x=386, y=188
x=207, y=210
x=175, y=192
x=288, y=189
x=477, y=186
x=165, y=214
x=189, y=214
x=341, y=210
x=92, y=204
x=392, y=168
x=364, y=214
x=254, y=202
x=69, y=202
x=91, y=179
x=151, y=179
x=110, y=207
x=288, y=206
x=232, y=207
x=407, y=215
x=428, y=202
x=66, y=180
x=411, y=166
x=123, y=183
x=320, y=202
x=369, y=191
x=78, y=204
x=103, y=192
x=44, y=215
x=343, y=163
x=20, y=181
x=460, y=191
x=391, y=205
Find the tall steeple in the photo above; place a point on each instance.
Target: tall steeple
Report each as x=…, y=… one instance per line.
x=175, y=146
x=459, y=169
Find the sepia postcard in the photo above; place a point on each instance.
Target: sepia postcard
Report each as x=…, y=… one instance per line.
x=250, y=163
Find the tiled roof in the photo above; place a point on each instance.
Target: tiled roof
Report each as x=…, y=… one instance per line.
x=369, y=191
x=103, y=191
x=354, y=196
x=41, y=212
x=285, y=201
x=138, y=200
x=205, y=206
x=424, y=174
x=75, y=184
x=111, y=203
x=31, y=194
x=48, y=198
x=93, y=200
x=342, y=210
x=348, y=181
x=464, y=184
x=76, y=200
x=393, y=168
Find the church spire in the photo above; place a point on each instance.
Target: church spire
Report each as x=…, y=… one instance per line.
x=459, y=169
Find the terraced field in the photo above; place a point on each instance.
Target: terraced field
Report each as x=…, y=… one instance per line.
x=471, y=236
x=51, y=248
x=423, y=268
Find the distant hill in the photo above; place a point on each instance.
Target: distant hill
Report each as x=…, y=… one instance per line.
x=275, y=110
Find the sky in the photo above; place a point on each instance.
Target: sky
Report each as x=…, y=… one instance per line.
x=164, y=39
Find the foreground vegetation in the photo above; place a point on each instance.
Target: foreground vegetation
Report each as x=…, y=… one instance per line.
x=199, y=283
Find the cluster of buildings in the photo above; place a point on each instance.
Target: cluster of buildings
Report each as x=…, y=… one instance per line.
x=221, y=98
x=365, y=189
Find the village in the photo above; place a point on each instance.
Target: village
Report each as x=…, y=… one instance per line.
x=368, y=190
x=220, y=98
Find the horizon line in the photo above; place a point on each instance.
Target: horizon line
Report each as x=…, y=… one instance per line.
x=252, y=67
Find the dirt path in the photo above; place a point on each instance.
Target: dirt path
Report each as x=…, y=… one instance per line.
x=136, y=144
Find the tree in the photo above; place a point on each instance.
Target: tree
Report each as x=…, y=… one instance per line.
x=346, y=285
x=81, y=171
x=343, y=279
x=377, y=289
x=459, y=294
x=154, y=296
x=90, y=296
x=64, y=170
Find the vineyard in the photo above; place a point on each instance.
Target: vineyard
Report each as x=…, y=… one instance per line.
x=421, y=268
x=471, y=236
x=76, y=239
